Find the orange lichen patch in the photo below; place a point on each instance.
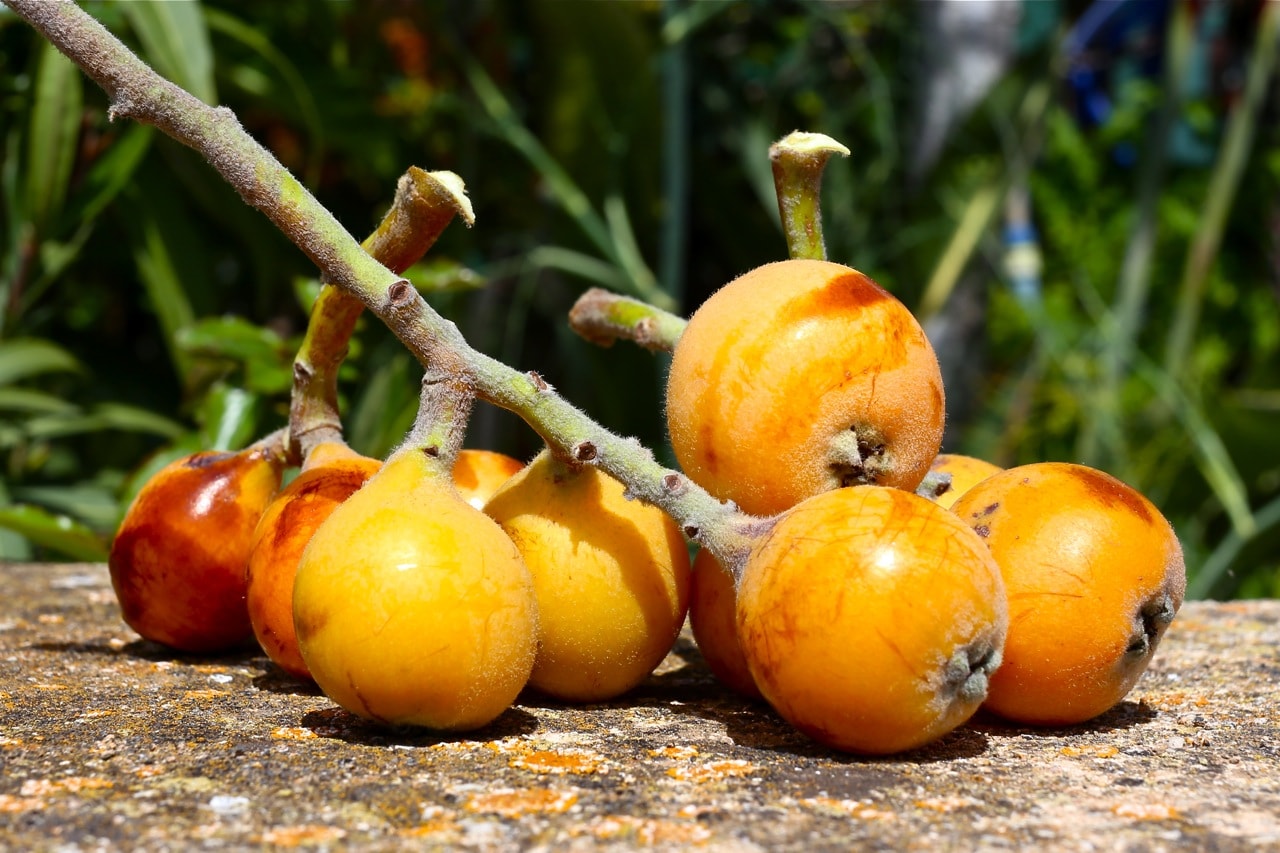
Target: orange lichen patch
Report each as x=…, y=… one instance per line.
x=458, y=746
x=679, y=753
x=93, y=715
x=50, y=686
x=860, y=809
x=1090, y=751
x=50, y=618
x=10, y=804
x=292, y=733
x=6, y=742
x=1175, y=699
x=506, y=746
x=146, y=771
x=551, y=761
x=432, y=828
x=515, y=803
x=713, y=771
x=70, y=785
x=203, y=694
x=648, y=832
x=1146, y=811
x=294, y=836
x=947, y=805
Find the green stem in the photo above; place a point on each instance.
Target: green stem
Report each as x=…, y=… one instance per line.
x=603, y=317
x=425, y=203
x=798, y=160
x=139, y=93
x=444, y=409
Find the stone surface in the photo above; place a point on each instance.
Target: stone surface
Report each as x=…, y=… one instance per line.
x=111, y=742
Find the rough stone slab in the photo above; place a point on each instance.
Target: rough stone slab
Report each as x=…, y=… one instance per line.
x=111, y=742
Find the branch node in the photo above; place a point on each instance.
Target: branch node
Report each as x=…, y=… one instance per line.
x=400, y=294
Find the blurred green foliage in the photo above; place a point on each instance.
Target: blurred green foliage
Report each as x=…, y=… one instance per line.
x=145, y=311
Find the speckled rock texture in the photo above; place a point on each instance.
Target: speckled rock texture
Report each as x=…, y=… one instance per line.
x=110, y=742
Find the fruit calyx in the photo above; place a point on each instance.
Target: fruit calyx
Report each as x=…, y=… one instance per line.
x=968, y=673
x=859, y=456
x=1154, y=617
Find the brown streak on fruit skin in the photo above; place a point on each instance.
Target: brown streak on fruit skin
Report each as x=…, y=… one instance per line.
x=851, y=292
x=1111, y=491
x=206, y=459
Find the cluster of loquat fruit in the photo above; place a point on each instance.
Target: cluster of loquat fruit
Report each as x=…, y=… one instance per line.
x=871, y=589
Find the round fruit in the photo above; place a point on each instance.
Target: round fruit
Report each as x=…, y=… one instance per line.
x=966, y=472
x=177, y=561
x=479, y=473
x=611, y=574
x=712, y=617
x=1094, y=575
x=331, y=474
x=871, y=619
x=413, y=607
x=799, y=377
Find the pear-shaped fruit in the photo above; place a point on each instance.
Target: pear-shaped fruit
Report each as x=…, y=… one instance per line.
x=413, y=607
x=612, y=577
x=331, y=474
x=178, y=560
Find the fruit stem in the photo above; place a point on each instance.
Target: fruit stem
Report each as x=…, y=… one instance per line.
x=138, y=92
x=274, y=446
x=444, y=409
x=425, y=203
x=798, y=160
x=602, y=317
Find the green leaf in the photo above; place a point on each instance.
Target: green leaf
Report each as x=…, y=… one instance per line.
x=133, y=419
x=159, y=275
x=26, y=357
x=59, y=533
x=116, y=416
x=299, y=92
x=113, y=170
x=32, y=402
x=54, y=135
x=580, y=264
x=230, y=337
x=306, y=289
x=228, y=418
x=443, y=276
x=90, y=503
x=385, y=408
x=175, y=41
x=1227, y=555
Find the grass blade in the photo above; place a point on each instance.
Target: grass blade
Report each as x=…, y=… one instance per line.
x=53, y=136
x=175, y=41
x=1227, y=172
